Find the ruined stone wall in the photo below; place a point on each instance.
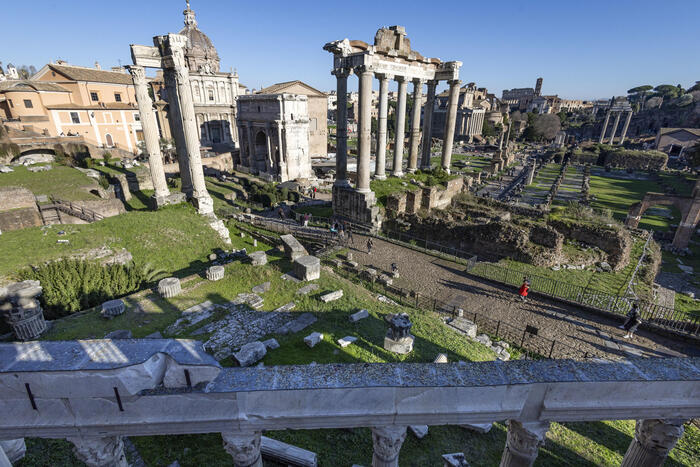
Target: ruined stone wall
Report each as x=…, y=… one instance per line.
x=18, y=209
x=433, y=197
x=616, y=243
x=15, y=197
x=546, y=236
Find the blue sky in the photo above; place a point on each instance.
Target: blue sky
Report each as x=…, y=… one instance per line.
x=582, y=49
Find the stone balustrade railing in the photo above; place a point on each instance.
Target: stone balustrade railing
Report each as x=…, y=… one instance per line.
x=93, y=392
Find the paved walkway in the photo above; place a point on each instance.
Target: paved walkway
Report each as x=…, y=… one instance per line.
x=578, y=328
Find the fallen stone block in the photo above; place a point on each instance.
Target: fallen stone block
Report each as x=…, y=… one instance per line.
x=348, y=256
x=352, y=264
x=401, y=346
x=307, y=268
x=155, y=335
x=369, y=274
x=355, y=317
x=307, y=289
x=478, y=427
x=215, y=273
x=312, y=339
x=258, y=258
x=169, y=287
x=441, y=358
x=119, y=334
x=303, y=321
x=289, y=277
x=420, y=431
x=250, y=353
x=463, y=326
x=191, y=316
x=286, y=454
x=331, y=296
x=456, y=459
x=345, y=341
x=384, y=279
x=336, y=263
x=386, y=300
x=287, y=307
x=483, y=339
x=112, y=308
x=292, y=248
x=271, y=344
x=262, y=288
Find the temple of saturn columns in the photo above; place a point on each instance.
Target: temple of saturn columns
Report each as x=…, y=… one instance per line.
x=390, y=58
x=617, y=108
x=94, y=392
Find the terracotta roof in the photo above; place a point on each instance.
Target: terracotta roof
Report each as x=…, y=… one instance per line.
x=280, y=87
x=78, y=73
x=665, y=131
x=106, y=106
x=26, y=85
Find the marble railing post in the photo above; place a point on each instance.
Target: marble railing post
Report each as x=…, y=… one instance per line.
x=387, y=441
x=341, y=131
x=178, y=133
x=522, y=443
x=415, y=125
x=150, y=132
x=428, y=125
x=614, y=129
x=653, y=440
x=605, y=128
x=364, y=140
x=380, y=162
x=625, y=127
x=450, y=118
x=400, y=127
x=97, y=451
x=244, y=448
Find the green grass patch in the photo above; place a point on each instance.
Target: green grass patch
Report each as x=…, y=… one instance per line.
x=316, y=211
x=61, y=182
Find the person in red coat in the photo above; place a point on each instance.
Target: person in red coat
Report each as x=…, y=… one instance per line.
x=524, y=290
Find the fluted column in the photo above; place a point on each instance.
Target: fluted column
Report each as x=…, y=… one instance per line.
x=653, y=440
x=450, y=119
x=625, y=127
x=428, y=125
x=400, y=127
x=150, y=131
x=380, y=162
x=364, y=142
x=415, y=125
x=97, y=451
x=522, y=443
x=387, y=441
x=178, y=132
x=244, y=448
x=614, y=129
x=605, y=128
x=341, y=129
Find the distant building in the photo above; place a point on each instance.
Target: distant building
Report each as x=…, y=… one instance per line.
x=675, y=141
x=472, y=106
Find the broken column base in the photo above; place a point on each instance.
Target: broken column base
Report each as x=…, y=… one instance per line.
x=204, y=204
x=156, y=202
x=355, y=206
x=400, y=346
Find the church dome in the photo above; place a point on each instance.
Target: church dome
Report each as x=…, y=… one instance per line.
x=200, y=53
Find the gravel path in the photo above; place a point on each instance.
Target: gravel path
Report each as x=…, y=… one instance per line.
x=569, y=324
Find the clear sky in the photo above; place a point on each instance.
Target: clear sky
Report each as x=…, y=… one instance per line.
x=582, y=48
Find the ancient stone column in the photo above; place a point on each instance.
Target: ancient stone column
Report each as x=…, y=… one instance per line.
x=150, y=134
x=428, y=125
x=625, y=127
x=415, y=125
x=605, y=128
x=400, y=127
x=244, y=448
x=387, y=441
x=522, y=443
x=653, y=440
x=450, y=120
x=178, y=133
x=614, y=129
x=364, y=143
x=341, y=131
x=380, y=163
x=97, y=451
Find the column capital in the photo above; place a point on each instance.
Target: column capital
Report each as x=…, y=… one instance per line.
x=341, y=72
x=522, y=442
x=418, y=81
x=243, y=447
x=387, y=441
x=659, y=436
x=362, y=69
x=138, y=73
x=383, y=76
x=400, y=79
x=94, y=450
x=454, y=82
x=433, y=82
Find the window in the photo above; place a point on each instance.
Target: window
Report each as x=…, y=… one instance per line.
x=117, y=97
x=28, y=103
x=94, y=97
x=137, y=117
x=12, y=106
x=139, y=135
x=75, y=118
x=211, y=95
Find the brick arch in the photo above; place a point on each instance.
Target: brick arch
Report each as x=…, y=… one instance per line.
x=688, y=206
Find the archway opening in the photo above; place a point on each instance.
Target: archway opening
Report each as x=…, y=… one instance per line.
x=261, y=151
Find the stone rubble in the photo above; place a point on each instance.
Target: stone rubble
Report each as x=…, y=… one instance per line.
x=345, y=341
x=287, y=307
x=191, y=316
x=250, y=353
x=215, y=273
x=420, y=431
x=262, y=288
x=355, y=317
x=307, y=268
x=331, y=296
x=271, y=344
x=307, y=289
x=258, y=258
x=301, y=322
x=292, y=248
x=386, y=300
x=312, y=339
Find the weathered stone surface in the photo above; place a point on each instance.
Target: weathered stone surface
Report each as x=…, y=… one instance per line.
x=169, y=287
x=307, y=289
x=271, y=344
x=312, y=339
x=155, y=335
x=456, y=459
x=215, y=273
x=384, y=279
x=483, y=339
x=303, y=321
x=348, y=256
x=22, y=310
x=347, y=340
x=478, y=427
x=370, y=274
x=307, y=268
x=420, y=431
x=119, y=334
x=331, y=296
x=385, y=299
x=441, y=358
x=290, y=277
x=463, y=326
x=355, y=317
x=262, y=288
x=287, y=454
x=336, y=263
x=352, y=264
x=286, y=307
x=14, y=449
x=292, y=248
x=191, y=316
x=112, y=308
x=252, y=300
x=402, y=346
x=250, y=353
x=258, y=258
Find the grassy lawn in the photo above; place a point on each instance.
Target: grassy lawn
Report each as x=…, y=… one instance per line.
x=62, y=182
x=316, y=211
x=475, y=163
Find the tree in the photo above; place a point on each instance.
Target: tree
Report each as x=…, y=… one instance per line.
x=488, y=129
x=696, y=87
x=667, y=91
x=547, y=126
x=693, y=156
x=639, y=94
x=32, y=70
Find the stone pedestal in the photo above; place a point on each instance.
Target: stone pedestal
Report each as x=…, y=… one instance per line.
x=112, y=308
x=158, y=201
x=258, y=258
x=401, y=346
x=307, y=268
x=169, y=287
x=398, y=338
x=653, y=440
x=21, y=309
x=355, y=206
x=387, y=442
x=523, y=442
x=215, y=273
x=292, y=248
x=244, y=448
x=100, y=452
x=14, y=449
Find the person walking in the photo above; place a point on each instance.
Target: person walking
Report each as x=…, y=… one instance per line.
x=314, y=194
x=524, y=289
x=634, y=319
x=370, y=244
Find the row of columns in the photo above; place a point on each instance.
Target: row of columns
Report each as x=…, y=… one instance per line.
x=366, y=75
x=653, y=440
x=615, y=125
